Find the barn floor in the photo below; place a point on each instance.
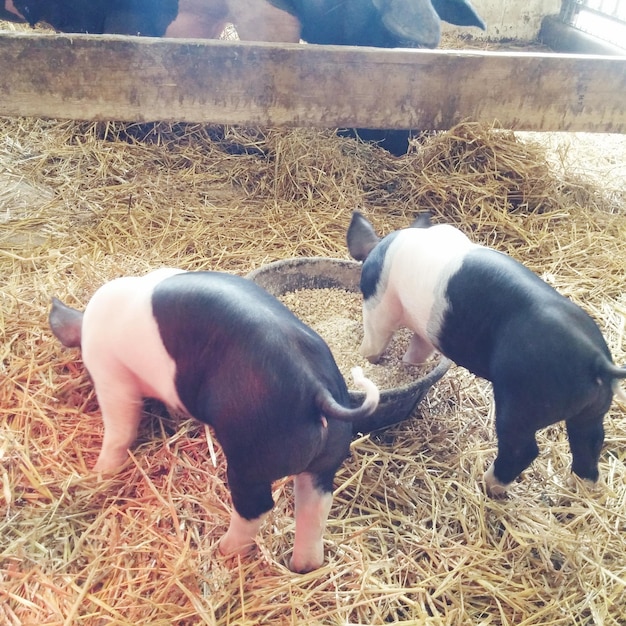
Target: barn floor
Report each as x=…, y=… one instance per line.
x=411, y=536
x=411, y=539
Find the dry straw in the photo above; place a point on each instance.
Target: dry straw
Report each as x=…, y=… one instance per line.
x=412, y=539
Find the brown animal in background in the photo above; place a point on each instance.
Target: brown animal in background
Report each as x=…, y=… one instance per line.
x=255, y=20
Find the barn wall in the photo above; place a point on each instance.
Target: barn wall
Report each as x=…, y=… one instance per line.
x=513, y=19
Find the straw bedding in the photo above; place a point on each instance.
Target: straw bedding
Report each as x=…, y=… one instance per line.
x=411, y=538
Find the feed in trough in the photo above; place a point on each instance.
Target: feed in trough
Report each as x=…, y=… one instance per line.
x=336, y=276
x=336, y=315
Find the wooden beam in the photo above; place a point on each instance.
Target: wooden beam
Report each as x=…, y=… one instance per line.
x=96, y=77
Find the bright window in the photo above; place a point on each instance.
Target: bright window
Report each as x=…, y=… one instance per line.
x=605, y=19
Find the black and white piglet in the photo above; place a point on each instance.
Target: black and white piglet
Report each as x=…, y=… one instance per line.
x=221, y=349
x=545, y=357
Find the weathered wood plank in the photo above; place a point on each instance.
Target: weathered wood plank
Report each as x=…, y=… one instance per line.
x=138, y=79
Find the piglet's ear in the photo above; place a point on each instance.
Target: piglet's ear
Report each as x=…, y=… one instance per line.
x=361, y=237
x=459, y=12
x=422, y=220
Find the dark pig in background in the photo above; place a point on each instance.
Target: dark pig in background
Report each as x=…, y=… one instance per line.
x=123, y=17
x=221, y=349
x=545, y=357
x=382, y=23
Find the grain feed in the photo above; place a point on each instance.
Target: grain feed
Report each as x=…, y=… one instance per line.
x=336, y=315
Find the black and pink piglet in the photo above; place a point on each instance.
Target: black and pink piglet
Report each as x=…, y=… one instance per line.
x=221, y=349
x=545, y=357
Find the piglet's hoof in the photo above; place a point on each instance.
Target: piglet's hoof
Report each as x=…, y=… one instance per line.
x=230, y=550
x=110, y=467
x=493, y=486
x=576, y=483
x=300, y=566
x=372, y=359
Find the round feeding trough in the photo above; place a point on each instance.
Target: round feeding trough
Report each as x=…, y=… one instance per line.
x=297, y=275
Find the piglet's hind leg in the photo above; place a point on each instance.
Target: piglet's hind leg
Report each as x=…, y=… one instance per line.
x=121, y=405
x=585, y=442
x=312, y=506
x=517, y=449
x=251, y=503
